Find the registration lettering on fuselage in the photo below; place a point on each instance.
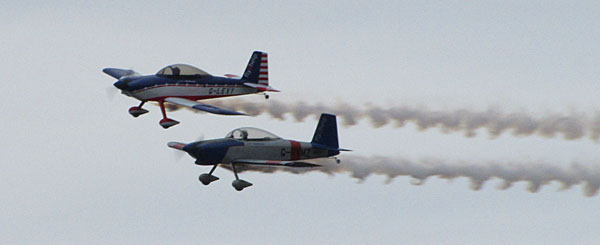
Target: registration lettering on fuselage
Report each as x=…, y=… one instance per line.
x=304, y=152
x=220, y=91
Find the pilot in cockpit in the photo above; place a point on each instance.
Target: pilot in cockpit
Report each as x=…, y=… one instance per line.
x=244, y=134
x=175, y=70
x=239, y=134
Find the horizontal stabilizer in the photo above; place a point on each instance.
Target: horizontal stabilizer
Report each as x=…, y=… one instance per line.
x=261, y=87
x=276, y=163
x=328, y=148
x=119, y=73
x=201, y=106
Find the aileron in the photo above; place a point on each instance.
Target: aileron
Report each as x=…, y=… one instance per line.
x=201, y=106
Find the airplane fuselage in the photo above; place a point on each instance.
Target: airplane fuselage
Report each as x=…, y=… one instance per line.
x=248, y=146
x=184, y=85
x=157, y=88
x=225, y=151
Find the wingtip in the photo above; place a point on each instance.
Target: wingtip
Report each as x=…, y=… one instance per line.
x=235, y=113
x=303, y=165
x=176, y=145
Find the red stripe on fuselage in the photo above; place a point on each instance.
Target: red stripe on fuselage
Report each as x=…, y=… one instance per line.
x=296, y=150
x=190, y=85
x=191, y=97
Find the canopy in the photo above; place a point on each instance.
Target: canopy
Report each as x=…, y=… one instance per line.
x=249, y=133
x=181, y=70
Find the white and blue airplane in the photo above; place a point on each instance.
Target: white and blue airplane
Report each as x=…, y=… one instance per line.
x=253, y=146
x=184, y=85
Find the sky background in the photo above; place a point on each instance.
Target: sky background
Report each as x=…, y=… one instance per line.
x=77, y=168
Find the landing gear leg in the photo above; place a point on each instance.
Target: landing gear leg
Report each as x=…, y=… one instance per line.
x=239, y=184
x=337, y=160
x=136, y=111
x=166, y=122
x=208, y=178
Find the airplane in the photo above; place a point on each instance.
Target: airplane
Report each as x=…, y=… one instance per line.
x=183, y=85
x=253, y=146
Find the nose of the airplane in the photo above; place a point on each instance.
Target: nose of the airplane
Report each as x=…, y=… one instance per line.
x=193, y=149
x=188, y=148
x=209, y=152
x=120, y=84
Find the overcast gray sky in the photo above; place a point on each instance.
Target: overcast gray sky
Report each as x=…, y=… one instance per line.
x=78, y=168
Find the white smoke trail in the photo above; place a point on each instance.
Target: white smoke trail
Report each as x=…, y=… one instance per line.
x=535, y=174
x=572, y=126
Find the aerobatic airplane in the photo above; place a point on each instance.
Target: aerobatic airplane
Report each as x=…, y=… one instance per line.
x=253, y=146
x=183, y=85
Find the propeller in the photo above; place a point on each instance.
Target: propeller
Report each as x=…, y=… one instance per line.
x=111, y=92
x=124, y=77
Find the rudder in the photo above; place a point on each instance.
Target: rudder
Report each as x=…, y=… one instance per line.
x=257, y=70
x=326, y=132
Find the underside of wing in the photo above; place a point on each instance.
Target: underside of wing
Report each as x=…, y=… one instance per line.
x=201, y=106
x=295, y=164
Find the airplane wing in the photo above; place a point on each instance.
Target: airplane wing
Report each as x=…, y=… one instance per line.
x=277, y=163
x=201, y=106
x=176, y=145
x=118, y=73
x=261, y=87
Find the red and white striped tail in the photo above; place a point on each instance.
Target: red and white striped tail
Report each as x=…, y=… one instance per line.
x=263, y=75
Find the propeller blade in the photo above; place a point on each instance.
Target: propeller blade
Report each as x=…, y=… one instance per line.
x=178, y=155
x=111, y=92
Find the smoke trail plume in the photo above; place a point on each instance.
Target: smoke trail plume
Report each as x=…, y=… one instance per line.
x=534, y=174
x=573, y=126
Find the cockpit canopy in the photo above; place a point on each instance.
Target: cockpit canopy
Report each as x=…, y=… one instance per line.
x=248, y=133
x=181, y=70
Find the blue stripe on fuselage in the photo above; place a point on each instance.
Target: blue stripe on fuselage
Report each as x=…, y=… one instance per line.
x=211, y=151
x=153, y=80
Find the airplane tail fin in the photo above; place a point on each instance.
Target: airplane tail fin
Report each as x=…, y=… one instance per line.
x=257, y=70
x=326, y=133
